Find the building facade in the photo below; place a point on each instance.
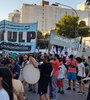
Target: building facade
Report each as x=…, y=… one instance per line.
x=47, y=15
x=83, y=6
x=14, y=16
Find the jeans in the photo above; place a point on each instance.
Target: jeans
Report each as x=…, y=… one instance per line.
x=53, y=88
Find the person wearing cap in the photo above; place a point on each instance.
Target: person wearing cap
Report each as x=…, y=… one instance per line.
x=13, y=61
x=45, y=72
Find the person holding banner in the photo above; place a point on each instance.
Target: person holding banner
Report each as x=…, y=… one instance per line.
x=45, y=72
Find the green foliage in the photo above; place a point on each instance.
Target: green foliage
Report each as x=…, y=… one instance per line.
x=42, y=42
x=68, y=26
x=83, y=30
x=88, y=2
x=39, y=35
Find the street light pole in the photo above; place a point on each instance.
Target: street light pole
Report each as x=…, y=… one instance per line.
x=76, y=29
x=67, y=6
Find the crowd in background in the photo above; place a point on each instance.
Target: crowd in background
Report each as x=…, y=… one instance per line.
x=54, y=69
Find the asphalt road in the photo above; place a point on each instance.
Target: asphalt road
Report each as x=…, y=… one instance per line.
x=69, y=95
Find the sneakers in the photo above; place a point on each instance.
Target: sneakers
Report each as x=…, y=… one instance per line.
x=83, y=92
x=58, y=91
x=29, y=90
x=79, y=92
x=62, y=92
x=68, y=88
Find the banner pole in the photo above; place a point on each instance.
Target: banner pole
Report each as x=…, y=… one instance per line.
x=48, y=49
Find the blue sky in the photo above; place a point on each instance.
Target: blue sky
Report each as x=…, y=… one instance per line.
x=7, y=6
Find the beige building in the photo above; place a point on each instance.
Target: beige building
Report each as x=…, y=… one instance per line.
x=86, y=44
x=83, y=6
x=14, y=16
x=47, y=15
x=87, y=20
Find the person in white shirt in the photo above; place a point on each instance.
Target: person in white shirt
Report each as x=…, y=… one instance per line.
x=61, y=77
x=80, y=75
x=6, y=87
x=3, y=94
x=24, y=63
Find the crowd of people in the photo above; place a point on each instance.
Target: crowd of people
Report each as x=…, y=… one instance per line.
x=54, y=69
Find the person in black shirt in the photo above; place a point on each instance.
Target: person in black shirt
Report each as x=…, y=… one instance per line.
x=45, y=72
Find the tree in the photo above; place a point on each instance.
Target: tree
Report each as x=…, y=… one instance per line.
x=42, y=41
x=83, y=29
x=88, y=2
x=68, y=26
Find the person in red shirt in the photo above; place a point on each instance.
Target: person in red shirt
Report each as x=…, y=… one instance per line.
x=53, y=83
x=71, y=75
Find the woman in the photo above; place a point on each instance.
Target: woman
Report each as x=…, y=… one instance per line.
x=6, y=88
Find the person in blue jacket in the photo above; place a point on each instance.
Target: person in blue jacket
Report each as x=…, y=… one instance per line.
x=13, y=61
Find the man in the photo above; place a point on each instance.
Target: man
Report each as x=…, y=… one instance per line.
x=65, y=57
x=13, y=61
x=45, y=72
x=71, y=75
x=25, y=61
x=53, y=83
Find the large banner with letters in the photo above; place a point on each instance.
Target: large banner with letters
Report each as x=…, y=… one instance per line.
x=18, y=37
x=58, y=40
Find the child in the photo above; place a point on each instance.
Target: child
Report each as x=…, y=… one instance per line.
x=61, y=76
x=81, y=74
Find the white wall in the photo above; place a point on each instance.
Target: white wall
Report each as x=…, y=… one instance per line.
x=47, y=16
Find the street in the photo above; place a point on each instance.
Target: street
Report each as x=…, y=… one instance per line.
x=69, y=95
